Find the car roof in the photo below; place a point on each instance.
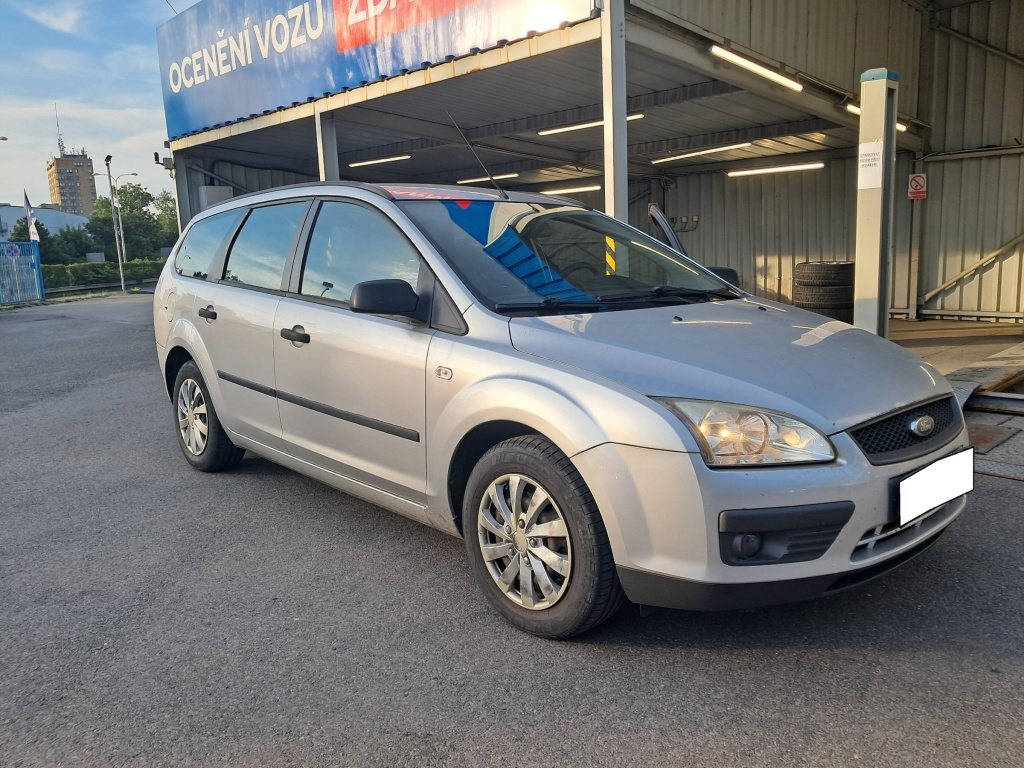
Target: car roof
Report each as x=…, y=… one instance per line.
x=404, y=192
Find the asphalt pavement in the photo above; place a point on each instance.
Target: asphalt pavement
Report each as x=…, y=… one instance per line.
x=152, y=615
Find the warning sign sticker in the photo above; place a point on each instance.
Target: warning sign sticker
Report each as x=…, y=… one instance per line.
x=917, y=189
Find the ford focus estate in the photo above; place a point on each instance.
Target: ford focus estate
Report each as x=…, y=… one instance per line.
x=596, y=415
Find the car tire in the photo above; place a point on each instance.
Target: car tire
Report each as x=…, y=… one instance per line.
x=823, y=273
x=571, y=584
x=805, y=296
x=843, y=314
x=194, y=413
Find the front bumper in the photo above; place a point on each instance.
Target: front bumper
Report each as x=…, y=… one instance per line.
x=662, y=511
x=646, y=588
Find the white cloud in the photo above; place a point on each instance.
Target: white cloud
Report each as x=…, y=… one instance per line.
x=62, y=17
x=131, y=135
x=60, y=60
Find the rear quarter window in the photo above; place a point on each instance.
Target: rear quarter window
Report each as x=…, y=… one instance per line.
x=204, y=242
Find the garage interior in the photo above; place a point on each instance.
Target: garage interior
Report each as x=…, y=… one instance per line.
x=693, y=119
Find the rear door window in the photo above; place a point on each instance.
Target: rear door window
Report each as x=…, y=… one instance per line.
x=351, y=245
x=203, y=243
x=261, y=249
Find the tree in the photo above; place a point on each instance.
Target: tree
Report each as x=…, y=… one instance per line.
x=167, y=218
x=142, y=233
x=71, y=244
x=19, y=234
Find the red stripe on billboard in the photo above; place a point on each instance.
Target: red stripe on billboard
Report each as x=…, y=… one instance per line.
x=359, y=22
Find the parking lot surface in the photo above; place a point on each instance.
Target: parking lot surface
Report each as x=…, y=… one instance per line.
x=154, y=615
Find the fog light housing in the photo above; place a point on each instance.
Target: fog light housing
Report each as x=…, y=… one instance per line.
x=746, y=545
x=751, y=537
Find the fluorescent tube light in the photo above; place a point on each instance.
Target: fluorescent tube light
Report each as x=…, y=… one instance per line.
x=581, y=126
x=757, y=69
x=394, y=159
x=570, y=190
x=901, y=127
x=777, y=169
x=499, y=177
x=702, y=152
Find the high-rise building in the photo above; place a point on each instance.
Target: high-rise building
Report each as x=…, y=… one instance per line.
x=72, y=185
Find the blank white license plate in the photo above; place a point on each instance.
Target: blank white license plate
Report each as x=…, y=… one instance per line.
x=936, y=484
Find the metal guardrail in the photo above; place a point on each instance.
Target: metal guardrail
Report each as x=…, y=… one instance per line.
x=71, y=290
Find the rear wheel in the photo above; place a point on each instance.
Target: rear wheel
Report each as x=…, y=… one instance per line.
x=536, y=540
x=201, y=438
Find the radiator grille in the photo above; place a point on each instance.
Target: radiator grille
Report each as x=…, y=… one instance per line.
x=890, y=439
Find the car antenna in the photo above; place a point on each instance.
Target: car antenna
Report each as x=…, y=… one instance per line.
x=502, y=192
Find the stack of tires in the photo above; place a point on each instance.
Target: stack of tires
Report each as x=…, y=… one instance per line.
x=825, y=287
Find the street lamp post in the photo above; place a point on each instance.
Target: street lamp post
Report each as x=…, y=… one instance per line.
x=120, y=224
x=113, y=220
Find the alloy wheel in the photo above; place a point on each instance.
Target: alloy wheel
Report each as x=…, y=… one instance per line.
x=193, y=419
x=524, y=541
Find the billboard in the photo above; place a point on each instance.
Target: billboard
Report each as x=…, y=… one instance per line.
x=228, y=60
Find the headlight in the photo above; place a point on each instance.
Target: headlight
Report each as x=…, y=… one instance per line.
x=738, y=435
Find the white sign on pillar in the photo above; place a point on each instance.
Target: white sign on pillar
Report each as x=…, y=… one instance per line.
x=876, y=161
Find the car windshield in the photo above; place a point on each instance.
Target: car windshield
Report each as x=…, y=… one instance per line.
x=526, y=258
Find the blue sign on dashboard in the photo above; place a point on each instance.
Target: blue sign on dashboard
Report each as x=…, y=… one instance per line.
x=228, y=60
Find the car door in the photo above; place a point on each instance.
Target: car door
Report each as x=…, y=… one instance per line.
x=352, y=396
x=235, y=311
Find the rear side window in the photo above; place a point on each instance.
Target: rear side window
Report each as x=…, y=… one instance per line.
x=203, y=242
x=257, y=258
x=352, y=244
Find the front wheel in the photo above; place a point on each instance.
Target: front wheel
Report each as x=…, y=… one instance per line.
x=536, y=540
x=203, y=441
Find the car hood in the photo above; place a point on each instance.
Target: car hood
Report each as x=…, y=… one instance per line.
x=748, y=351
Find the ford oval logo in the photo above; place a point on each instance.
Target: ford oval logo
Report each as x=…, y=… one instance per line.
x=922, y=425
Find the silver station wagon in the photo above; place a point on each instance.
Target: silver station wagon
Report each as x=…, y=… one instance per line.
x=596, y=415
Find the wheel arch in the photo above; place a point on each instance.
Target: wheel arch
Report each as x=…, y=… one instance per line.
x=470, y=450
x=177, y=356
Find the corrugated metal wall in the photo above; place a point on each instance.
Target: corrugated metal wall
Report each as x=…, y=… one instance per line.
x=833, y=40
x=762, y=225
x=976, y=205
x=244, y=178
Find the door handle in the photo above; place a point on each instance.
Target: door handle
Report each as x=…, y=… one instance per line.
x=298, y=336
x=208, y=313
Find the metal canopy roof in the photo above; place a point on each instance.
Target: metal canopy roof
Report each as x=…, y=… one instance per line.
x=502, y=108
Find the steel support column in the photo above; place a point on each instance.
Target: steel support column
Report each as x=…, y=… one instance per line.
x=875, y=175
x=327, y=147
x=613, y=83
x=181, y=191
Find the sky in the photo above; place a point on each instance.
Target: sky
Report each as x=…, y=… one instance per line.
x=97, y=60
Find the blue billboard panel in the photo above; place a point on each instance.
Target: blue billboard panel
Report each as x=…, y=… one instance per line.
x=228, y=60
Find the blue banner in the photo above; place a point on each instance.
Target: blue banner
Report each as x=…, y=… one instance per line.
x=228, y=60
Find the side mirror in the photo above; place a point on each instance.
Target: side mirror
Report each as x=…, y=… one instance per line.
x=726, y=273
x=384, y=297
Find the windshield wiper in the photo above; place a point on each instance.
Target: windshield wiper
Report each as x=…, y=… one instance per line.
x=665, y=292
x=549, y=304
